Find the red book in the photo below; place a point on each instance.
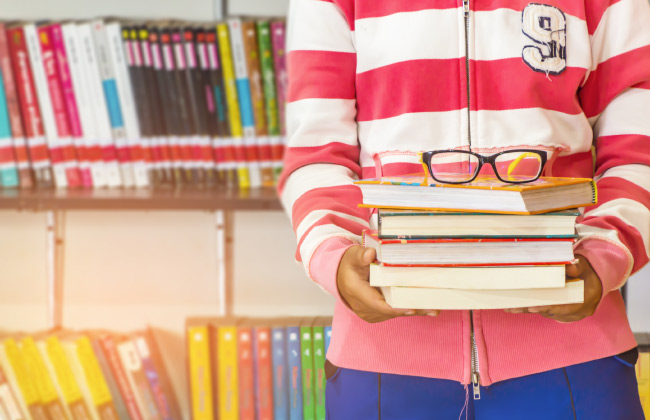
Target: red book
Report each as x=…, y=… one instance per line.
x=246, y=373
x=264, y=369
x=108, y=345
x=59, y=108
x=29, y=108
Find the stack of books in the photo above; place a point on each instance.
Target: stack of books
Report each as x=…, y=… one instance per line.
x=85, y=376
x=113, y=103
x=481, y=245
x=247, y=369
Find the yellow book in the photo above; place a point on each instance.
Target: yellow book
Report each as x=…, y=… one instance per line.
x=643, y=378
x=234, y=115
x=200, y=372
x=57, y=361
x=97, y=385
x=11, y=407
x=12, y=380
x=26, y=386
x=227, y=381
x=47, y=392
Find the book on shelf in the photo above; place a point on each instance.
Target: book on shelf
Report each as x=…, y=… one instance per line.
x=643, y=370
x=485, y=194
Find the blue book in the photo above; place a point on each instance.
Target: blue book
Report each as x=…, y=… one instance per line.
x=328, y=336
x=295, y=373
x=280, y=374
x=8, y=170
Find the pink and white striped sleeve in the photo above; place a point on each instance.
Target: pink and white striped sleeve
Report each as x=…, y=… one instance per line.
x=614, y=234
x=322, y=155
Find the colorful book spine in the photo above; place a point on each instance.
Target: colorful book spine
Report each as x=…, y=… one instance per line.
x=319, y=372
x=245, y=101
x=69, y=98
x=153, y=377
x=68, y=386
x=26, y=385
x=643, y=380
x=118, y=400
x=9, y=400
x=263, y=373
x=280, y=374
x=79, y=104
x=246, y=374
x=132, y=365
x=295, y=373
x=112, y=357
x=40, y=375
x=200, y=373
x=159, y=364
x=270, y=97
x=29, y=109
x=62, y=136
x=232, y=101
x=278, y=38
x=228, y=376
x=308, y=380
x=102, y=131
x=95, y=380
x=8, y=168
x=13, y=108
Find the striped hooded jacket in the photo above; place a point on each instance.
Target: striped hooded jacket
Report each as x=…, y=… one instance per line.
x=374, y=82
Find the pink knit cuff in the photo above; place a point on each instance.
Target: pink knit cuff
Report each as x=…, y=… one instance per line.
x=608, y=260
x=324, y=264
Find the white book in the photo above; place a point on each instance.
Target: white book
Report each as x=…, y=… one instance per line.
x=112, y=95
x=129, y=110
x=131, y=362
x=458, y=299
x=481, y=278
x=244, y=95
x=45, y=102
x=84, y=106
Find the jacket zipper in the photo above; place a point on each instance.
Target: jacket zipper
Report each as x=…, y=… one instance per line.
x=476, y=377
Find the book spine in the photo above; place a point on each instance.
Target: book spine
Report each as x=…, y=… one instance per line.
x=278, y=38
x=166, y=384
x=47, y=114
x=61, y=136
x=643, y=380
x=69, y=388
x=200, y=373
x=9, y=399
x=308, y=380
x=153, y=378
x=118, y=400
x=227, y=381
x=254, y=66
x=295, y=373
x=8, y=167
x=328, y=337
x=274, y=153
x=245, y=101
x=70, y=102
x=127, y=104
x=264, y=374
x=280, y=374
x=232, y=101
x=112, y=357
x=26, y=385
x=33, y=124
x=319, y=372
x=246, y=374
x=132, y=364
x=95, y=380
x=105, y=150
x=80, y=104
x=224, y=149
x=39, y=374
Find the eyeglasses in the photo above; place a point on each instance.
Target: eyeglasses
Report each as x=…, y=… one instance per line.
x=458, y=166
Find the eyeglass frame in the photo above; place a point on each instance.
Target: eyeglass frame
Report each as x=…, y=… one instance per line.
x=425, y=160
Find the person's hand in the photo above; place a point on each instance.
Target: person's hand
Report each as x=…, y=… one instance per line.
x=577, y=311
x=364, y=300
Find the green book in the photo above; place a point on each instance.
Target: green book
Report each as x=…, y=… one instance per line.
x=270, y=94
x=319, y=371
x=307, y=363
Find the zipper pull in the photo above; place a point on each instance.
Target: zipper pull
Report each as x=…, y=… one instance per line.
x=466, y=7
x=476, y=386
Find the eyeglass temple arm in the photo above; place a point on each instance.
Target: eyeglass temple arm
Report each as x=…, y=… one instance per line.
x=513, y=165
x=425, y=168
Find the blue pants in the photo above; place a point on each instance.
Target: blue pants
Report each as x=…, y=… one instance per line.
x=604, y=389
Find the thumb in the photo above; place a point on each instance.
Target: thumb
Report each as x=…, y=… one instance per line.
x=575, y=270
x=368, y=257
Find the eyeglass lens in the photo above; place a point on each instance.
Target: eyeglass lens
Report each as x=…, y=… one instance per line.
x=456, y=167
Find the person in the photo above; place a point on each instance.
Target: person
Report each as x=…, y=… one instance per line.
x=374, y=83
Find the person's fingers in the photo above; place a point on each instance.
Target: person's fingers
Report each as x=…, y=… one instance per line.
x=575, y=270
x=368, y=256
x=427, y=312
